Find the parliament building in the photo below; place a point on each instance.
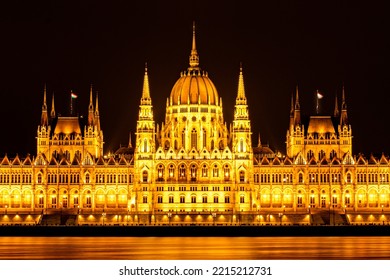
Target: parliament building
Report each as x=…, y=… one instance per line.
x=194, y=168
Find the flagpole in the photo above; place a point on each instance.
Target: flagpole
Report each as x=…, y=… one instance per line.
x=71, y=103
x=317, y=106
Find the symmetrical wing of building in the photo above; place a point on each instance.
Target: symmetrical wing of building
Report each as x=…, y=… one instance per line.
x=195, y=168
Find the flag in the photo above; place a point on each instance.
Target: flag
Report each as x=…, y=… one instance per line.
x=73, y=95
x=319, y=95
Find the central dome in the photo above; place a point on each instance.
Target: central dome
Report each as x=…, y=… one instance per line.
x=194, y=87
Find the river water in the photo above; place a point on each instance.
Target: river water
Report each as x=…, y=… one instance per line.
x=193, y=248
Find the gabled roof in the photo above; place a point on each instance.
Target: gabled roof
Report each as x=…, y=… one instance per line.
x=100, y=161
x=287, y=161
x=324, y=161
x=111, y=161
x=16, y=160
x=27, y=161
x=122, y=160
x=63, y=161
x=320, y=124
x=265, y=161
x=372, y=160
x=5, y=160
x=276, y=161
x=383, y=160
x=53, y=161
x=76, y=160
x=335, y=161
x=313, y=161
x=67, y=125
x=361, y=160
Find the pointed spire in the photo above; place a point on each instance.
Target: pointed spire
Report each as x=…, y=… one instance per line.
x=90, y=107
x=343, y=103
x=241, y=98
x=97, y=117
x=145, y=99
x=97, y=104
x=259, y=141
x=130, y=145
x=336, y=112
x=297, y=110
x=53, y=110
x=297, y=106
x=344, y=116
x=44, y=117
x=44, y=96
x=194, y=57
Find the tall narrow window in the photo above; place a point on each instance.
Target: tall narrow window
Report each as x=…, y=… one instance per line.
x=145, y=176
x=183, y=138
x=171, y=171
x=204, y=138
x=194, y=139
x=241, y=148
x=193, y=172
x=204, y=170
x=145, y=145
x=242, y=176
x=226, y=172
x=160, y=173
x=182, y=172
x=215, y=171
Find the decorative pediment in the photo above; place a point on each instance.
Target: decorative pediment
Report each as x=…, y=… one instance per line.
x=300, y=159
x=287, y=161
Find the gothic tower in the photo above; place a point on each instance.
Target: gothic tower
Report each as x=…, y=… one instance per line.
x=145, y=145
x=43, y=133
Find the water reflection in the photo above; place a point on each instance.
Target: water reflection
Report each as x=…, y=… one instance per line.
x=198, y=248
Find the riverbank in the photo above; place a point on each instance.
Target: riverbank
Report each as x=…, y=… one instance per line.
x=348, y=230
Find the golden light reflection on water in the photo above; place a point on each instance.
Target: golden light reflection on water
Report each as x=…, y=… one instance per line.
x=190, y=248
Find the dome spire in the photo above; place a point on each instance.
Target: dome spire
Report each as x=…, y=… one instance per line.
x=194, y=57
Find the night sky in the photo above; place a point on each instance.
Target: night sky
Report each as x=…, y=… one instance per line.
x=313, y=44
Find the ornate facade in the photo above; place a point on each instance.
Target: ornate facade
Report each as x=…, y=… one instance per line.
x=194, y=168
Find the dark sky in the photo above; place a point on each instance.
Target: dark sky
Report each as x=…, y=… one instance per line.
x=313, y=44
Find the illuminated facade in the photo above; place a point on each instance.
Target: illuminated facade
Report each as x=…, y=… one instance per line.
x=194, y=168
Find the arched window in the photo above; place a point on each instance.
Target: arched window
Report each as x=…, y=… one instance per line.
x=160, y=172
x=194, y=139
x=193, y=172
x=349, y=178
x=226, y=172
x=171, y=171
x=242, y=176
x=321, y=154
x=333, y=154
x=300, y=178
x=39, y=179
x=215, y=171
x=87, y=178
x=204, y=170
x=144, y=176
x=182, y=172
x=310, y=154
